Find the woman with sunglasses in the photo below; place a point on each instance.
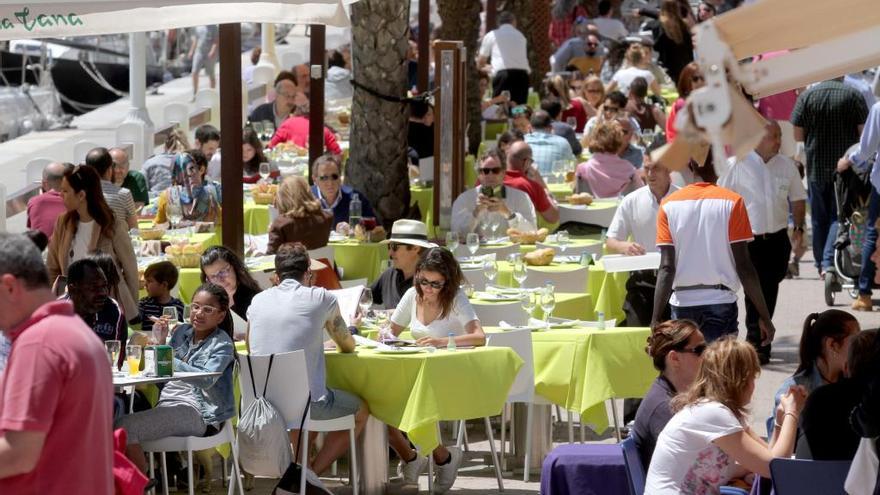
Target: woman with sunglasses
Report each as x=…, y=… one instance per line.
x=676, y=348
x=220, y=266
x=708, y=441
x=199, y=197
x=89, y=226
x=192, y=407
x=592, y=93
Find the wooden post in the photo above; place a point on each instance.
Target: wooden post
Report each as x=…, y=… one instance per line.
x=491, y=14
x=316, y=93
x=424, y=40
x=230, y=138
x=449, y=126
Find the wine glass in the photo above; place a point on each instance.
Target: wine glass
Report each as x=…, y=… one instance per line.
x=519, y=272
x=473, y=243
x=452, y=241
x=113, y=347
x=170, y=312
x=133, y=355
x=562, y=238
x=494, y=225
x=268, y=129
x=647, y=137
x=527, y=300
x=572, y=121
x=490, y=270
x=173, y=208
x=468, y=289
x=365, y=302
x=559, y=167
x=265, y=171
x=187, y=314
x=548, y=303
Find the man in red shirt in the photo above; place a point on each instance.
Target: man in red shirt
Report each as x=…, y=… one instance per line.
x=43, y=210
x=56, y=394
x=296, y=130
x=523, y=176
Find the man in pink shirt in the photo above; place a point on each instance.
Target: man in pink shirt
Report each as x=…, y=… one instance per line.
x=296, y=130
x=56, y=394
x=43, y=210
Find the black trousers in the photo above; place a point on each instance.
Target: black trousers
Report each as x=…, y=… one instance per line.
x=770, y=254
x=514, y=80
x=638, y=306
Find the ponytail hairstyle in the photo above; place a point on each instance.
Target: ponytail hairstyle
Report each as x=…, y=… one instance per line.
x=832, y=323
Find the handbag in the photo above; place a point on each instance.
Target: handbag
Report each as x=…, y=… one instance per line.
x=290, y=481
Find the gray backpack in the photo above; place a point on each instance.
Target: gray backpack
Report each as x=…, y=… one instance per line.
x=263, y=443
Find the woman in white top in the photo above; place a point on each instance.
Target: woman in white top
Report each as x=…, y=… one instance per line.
x=435, y=306
x=708, y=442
x=432, y=309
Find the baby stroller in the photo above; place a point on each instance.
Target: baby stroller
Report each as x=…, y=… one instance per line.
x=852, y=190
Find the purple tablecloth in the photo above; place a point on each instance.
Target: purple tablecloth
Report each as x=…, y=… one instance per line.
x=584, y=469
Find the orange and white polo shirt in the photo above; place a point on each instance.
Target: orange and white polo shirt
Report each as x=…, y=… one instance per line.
x=701, y=221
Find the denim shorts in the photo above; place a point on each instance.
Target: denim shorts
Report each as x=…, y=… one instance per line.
x=714, y=320
x=336, y=404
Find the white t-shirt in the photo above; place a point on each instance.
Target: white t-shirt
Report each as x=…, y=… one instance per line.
x=685, y=460
x=405, y=315
x=625, y=77
x=507, y=47
x=82, y=241
x=637, y=216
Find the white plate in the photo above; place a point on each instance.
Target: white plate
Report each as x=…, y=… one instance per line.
x=485, y=296
x=404, y=350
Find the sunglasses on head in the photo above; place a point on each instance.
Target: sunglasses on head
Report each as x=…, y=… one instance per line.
x=519, y=110
x=432, y=284
x=697, y=350
x=490, y=170
x=325, y=178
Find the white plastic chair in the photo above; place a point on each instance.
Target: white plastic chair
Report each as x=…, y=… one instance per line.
x=190, y=444
x=491, y=314
x=288, y=391
x=290, y=59
x=324, y=252
x=572, y=281
x=475, y=277
x=133, y=133
x=34, y=169
x=81, y=149
x=345, y=284
x=209, y=98
x=264, y=74
x=177, y=112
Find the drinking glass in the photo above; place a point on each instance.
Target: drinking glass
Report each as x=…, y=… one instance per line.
x=452, y=241
x=490, y=270
x=265, y=171
x=269, y=129
x=572, y=121
x=113, y=347
x=173, y=208
x=647, y=137
x=257, y=126
x=494, y=225
x=365, y=302
x=519, y=272
x=473, y=243
x=171, y=313
x=468, y=289
x=133, y=355
x=562, y=238
x=559, y=167
x=506, y=95
x=527, y=299
x=548, y=303
x=187, y=314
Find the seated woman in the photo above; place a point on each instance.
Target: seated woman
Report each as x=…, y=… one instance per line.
x=606, y=174
x=199, y=197
x=823, y=349
x=300, y=219
x=826, y=431
x=676, y=347
x=219, y=265
x=433, y=309
x=192, y=407
x=709, y=442
x=252, y=156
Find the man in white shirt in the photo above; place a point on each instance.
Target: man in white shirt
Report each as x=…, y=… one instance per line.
x=608, y=26
x=474, y=209
x=633, y=232
x=510, y=62
x=768, y=182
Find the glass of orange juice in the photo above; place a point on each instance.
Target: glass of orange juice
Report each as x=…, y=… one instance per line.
x=133, y=354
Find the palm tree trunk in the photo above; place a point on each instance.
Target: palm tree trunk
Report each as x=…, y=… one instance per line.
x=461, y=22
x=378, y=163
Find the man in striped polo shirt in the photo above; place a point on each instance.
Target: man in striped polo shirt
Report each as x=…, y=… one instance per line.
x=703, y=232
x=119, y=199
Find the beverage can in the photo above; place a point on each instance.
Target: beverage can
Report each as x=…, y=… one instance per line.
x=159, y=360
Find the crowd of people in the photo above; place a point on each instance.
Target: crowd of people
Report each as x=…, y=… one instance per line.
x=717, y=227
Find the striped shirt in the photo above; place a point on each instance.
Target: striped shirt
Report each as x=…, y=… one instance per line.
x=701, y=221
x=150, y=306
x=119, y=200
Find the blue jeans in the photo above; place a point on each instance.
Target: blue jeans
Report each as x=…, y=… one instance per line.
x=714, y=320
x=823, y=215
x=866, y=277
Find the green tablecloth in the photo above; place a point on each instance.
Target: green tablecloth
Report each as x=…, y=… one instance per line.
x=579, y=369
x=424, y=197
x=360, y=259
x=609, y=290
x=413, y=392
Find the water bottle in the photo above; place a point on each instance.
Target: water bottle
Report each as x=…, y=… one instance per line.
x=600, y=321
x=450, y=345
x=354, y=211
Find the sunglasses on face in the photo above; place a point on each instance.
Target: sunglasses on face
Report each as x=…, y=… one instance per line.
x=432, y=284
x=394, y=246
x=325, y=178
x=593, y=44
x=490, y=170
x=697, y=350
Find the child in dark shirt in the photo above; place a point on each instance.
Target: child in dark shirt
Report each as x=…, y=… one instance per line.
x=159, y=279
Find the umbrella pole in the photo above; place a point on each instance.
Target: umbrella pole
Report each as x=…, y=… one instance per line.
x=318, y=57
x=230, y=138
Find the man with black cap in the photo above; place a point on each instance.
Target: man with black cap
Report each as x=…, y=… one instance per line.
x=409, y=239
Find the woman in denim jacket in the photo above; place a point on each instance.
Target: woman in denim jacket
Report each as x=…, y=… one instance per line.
x=192, y=407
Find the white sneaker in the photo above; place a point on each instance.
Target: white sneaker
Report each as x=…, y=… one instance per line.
x=446, y=474
x=411, y=470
